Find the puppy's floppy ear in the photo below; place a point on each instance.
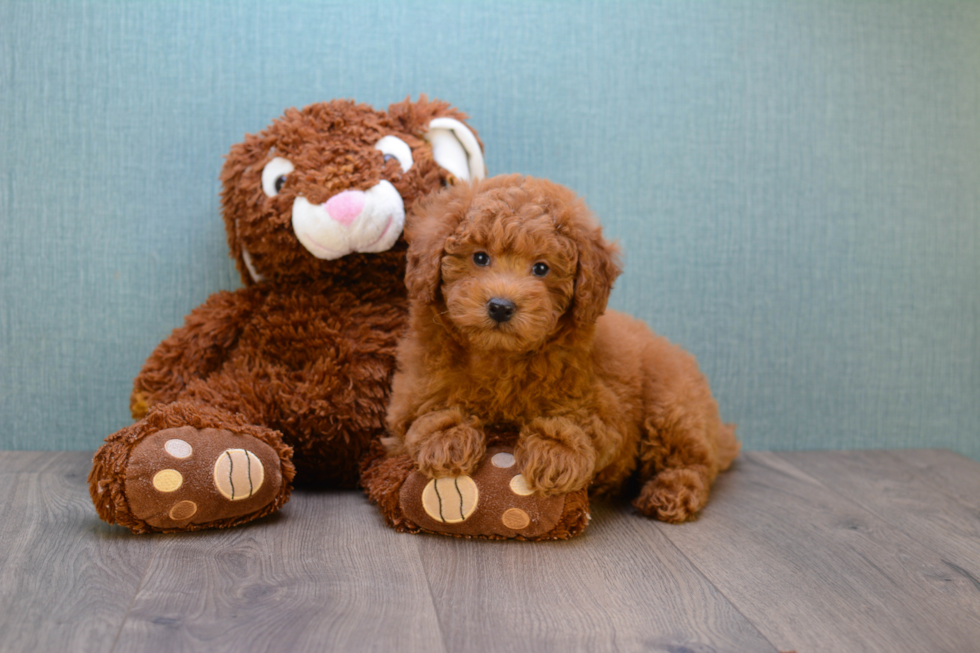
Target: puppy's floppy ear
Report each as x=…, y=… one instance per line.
x=598, y=267
x=435, y=220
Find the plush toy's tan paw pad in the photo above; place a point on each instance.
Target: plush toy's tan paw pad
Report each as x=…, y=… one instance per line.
x=238, y=474
x=494, y=502
x=450, y=500
x=182, y=476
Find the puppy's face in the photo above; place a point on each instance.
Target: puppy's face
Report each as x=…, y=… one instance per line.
x=507, y=278
x=509, y=261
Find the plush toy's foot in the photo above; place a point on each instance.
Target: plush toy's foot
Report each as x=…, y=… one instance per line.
x=169, y=473
x=493, y=503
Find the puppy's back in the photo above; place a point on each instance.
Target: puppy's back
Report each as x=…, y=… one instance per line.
x=656, y=379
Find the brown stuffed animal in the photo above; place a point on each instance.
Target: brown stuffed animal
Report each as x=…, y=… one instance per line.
x=508, y=281
x=295, y=367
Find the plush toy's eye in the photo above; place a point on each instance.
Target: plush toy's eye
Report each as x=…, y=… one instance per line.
x=274, y=175
x=540, y=269
x=481, y=258
x=394, y=147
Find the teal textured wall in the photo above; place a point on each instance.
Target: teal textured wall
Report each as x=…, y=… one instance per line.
x=796, y=184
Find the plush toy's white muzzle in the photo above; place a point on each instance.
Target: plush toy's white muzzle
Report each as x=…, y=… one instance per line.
x=351, y=221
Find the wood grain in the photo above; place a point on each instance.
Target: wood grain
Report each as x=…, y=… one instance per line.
x=904, y=497
x=953, y=474
x=323, y=575
x=66, y=578
x=833, y=551
x=45, y=461
x=608, y=590
x=815, y=572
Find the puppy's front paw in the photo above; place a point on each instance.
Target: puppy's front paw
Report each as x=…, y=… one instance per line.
x=445, y=443
x=556, y=456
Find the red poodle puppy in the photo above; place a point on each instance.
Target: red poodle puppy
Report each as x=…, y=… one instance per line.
x=508, y=280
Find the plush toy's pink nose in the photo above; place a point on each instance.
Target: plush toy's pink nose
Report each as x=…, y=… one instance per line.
x=344, y=207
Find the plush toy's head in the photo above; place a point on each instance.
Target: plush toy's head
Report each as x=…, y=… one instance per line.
x=509, y=263
x=325, y=189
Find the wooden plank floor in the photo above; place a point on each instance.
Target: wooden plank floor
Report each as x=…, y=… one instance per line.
x=829, y=551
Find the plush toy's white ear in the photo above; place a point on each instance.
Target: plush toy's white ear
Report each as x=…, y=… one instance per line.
x=455, y=148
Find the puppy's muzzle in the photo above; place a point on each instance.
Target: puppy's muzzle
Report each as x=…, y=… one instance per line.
x=501, y=310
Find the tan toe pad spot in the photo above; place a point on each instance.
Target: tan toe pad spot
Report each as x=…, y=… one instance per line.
x=518, y=485
x=183, y=510
x=167, y=480
x=515, y=518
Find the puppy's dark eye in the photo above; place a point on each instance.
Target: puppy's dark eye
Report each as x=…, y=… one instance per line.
x=279, y=182
x=481, y=259
x=540, y=269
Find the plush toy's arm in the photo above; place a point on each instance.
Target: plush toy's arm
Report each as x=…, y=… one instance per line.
x=192, y=351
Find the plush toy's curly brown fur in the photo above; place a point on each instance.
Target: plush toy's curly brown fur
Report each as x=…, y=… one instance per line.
x=596, y=398
x=305, y=351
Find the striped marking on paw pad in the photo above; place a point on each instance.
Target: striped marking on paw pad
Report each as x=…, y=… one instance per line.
x=450, y=500
x=238, y=474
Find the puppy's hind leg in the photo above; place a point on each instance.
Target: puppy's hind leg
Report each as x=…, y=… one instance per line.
x=678, y=461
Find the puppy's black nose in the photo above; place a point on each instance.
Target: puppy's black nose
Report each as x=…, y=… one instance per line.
x=501, y=310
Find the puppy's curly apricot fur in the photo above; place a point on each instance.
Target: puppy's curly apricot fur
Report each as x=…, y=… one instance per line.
x=508, y=280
